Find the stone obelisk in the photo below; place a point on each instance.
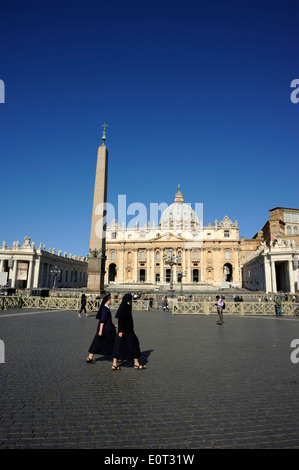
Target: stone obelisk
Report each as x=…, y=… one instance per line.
x=96, y=257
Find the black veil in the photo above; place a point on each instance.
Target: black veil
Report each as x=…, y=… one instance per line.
x=126, y=298
x=105, y=299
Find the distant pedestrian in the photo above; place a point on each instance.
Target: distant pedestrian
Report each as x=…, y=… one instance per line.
x=103, y=341
x=83, y=305
x=126, y=346
x=20, y=301
x=219, y=304
x=165, y=304
x=278, y=307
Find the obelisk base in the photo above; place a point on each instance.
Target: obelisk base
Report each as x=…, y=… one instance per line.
x=96, y=275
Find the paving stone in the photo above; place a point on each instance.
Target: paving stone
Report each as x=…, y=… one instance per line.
x=204, y=386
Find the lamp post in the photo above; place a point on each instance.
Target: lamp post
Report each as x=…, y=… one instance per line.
x=171, y=260
x=54, y=273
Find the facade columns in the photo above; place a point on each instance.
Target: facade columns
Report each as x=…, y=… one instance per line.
x=36, y=274
x=268, y=281
x=174, y=269
x=273, y=277
x=184, y=269
x=235, y=264
x=153, y=277
x=135, y=265
x=121, y=267
x=14, y=273
x=291, y=276
x=202, y=270
x=29, y=275
x=218, y=271
x=162, y=266
x=148, y=266
x=188, y=270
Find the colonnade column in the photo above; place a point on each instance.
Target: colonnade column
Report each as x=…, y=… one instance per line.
x=29, y=276
x=14, y=273
x=273, y=277
x=291, y=276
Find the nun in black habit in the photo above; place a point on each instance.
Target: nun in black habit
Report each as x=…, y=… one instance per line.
x=103, y=341
x=126, y=346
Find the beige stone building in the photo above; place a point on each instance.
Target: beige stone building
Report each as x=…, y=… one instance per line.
x=204, y=256
x=25, y=266
x=274, y=265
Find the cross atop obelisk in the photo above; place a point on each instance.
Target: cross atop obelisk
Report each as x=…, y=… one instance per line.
x=104, y=133
x=97, y=257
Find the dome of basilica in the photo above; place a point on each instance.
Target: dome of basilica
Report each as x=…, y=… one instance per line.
x=179, y=215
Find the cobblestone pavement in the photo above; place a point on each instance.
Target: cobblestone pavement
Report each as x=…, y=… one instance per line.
x=205, y=386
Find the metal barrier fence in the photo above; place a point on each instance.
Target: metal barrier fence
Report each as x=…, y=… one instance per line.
x=178, y=308
x=61, y=303
x=234, y=308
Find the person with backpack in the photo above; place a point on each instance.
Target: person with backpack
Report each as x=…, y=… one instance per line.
x=165, y=304
x=220, y=307
x=278, y=310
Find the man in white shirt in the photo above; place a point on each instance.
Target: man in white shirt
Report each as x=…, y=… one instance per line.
x=219, y=304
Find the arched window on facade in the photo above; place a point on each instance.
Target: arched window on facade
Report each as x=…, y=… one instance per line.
x=112, y=272
x=113, y=255
x=227, y=254
x=289, y=230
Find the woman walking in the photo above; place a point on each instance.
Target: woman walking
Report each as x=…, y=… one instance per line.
x=83, y=305
x=126, y=346
x=103, y=341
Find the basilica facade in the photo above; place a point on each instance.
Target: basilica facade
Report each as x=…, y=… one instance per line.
x=179, y=251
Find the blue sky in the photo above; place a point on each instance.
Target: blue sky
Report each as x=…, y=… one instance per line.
x=195, y=93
